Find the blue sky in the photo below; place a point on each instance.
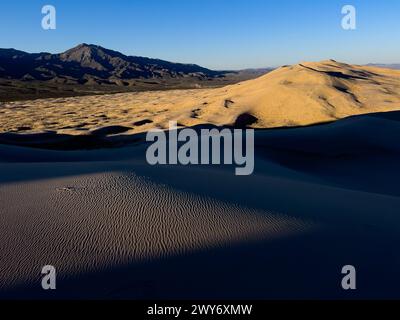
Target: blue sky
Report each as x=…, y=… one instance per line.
x=219, y=34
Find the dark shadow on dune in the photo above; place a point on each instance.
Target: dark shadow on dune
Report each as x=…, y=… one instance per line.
x=338, y=74
x=245, y=120
x=53, y=141
x=142, y=122
x=345, y=90
x=110, y=130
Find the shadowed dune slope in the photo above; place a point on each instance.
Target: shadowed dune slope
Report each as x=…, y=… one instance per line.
x=115, y=226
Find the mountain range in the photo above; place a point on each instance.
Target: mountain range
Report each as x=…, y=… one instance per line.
x=91, y=64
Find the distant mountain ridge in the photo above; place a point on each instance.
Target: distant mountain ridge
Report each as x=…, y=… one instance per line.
x=88, y=63
x=388, y=66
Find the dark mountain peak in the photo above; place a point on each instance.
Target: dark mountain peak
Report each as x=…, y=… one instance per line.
x=84, y=46
x=80, y=50
x=93, y=57
x=92, y=50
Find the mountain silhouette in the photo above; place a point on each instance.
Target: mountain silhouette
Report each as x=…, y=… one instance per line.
x=87, y=63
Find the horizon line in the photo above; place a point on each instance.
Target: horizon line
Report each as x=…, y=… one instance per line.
x=192, y=63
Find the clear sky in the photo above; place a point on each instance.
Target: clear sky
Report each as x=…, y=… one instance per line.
x=219, y=34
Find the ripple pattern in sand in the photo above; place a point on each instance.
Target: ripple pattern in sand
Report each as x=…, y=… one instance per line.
x=93, y=222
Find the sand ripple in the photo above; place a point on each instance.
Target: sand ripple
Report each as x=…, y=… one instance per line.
x=94, y=222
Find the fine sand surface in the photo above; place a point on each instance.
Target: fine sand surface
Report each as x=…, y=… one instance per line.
x=302, y=94
x=321, y=197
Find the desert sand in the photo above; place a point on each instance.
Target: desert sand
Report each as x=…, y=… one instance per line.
x=302, y=94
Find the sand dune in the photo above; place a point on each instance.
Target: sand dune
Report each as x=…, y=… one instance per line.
x=95, y=222
x=302, y=94
x=117, y=227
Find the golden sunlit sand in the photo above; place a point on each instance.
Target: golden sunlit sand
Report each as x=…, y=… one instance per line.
x=302, y=94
